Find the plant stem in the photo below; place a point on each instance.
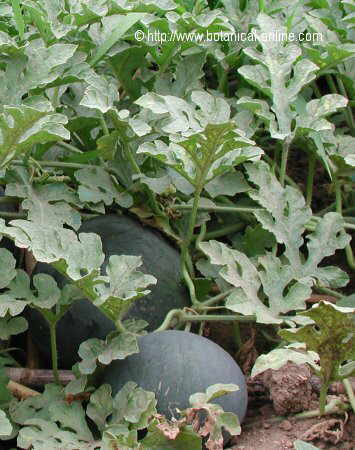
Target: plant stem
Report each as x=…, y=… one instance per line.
x=349, y=113
x=182, y=316
x=69, y=147
x=331, y=84
x=323, y=397
x=310, y=178
x=216, y=299
x=221, y=209
x=13, y=215
x=188, y=280
x=104, y=125
x=350, y=393
x=224, y=230
x=284, y=157
x=60, y=165
x=339, y=209
x=237, y=336
x=289, y=180
x=316, y=90
x=186, y=244
x=54, y=351
x=327, y=291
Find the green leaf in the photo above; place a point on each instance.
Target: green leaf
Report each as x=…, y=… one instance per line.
x=277, y=61
x=332, y=336
x=279, y=357
x=97, y=185
x=208, y=154
x=95, y=351
x=8, y=263
x=11, y=326
x=34, y=67
x=19, y=294
x=122, y=284
x=285, y=214
x=228, y=184
x=5, y=424
x=133, y=405
x=20, y=24
x=101, y=93
x=313, y=118
x=122, y=24
x=238, y=270
x=71, y=416
x=212, y=392
x=39, y=434
x=23, y=126
x=100, y=406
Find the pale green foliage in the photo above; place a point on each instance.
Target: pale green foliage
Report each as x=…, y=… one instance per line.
x=5, y=424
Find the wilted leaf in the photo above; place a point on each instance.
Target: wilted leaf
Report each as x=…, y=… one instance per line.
x=332, y=336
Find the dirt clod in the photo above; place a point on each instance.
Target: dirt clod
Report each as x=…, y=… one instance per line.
x=290, y=388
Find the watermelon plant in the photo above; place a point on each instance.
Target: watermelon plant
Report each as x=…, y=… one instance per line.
x=155, y=180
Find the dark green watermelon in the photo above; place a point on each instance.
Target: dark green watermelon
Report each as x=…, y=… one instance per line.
x=123, y=236
x=176, y=364
x=6, y=242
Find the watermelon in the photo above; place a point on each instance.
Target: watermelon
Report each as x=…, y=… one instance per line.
x=119, y=235
x=6, y=242
x=176, y=364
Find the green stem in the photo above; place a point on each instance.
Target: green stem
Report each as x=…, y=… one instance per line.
x=172, y=314
x=13, y=215
x=104, y=125
x=350, y=393
x=182, y=316
x=224, y=230
x=60, y=165
x=237, y=336
x=54, y=351
x=349, y=113
x=284, y=157
x=216, y=299
x=188, y=280
x=327, y=291
x=331, y=84
x=327, y=209
x=69, y=147
x=339, y=209
x=220, y=209
x=316, y=90
x=323, y=398
x=186, y=244
x=310, y=178
x=289, y=180
x=201, y=236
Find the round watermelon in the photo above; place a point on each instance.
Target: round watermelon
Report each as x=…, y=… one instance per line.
x=120, y=235
x=176, y=364
x=5, y=242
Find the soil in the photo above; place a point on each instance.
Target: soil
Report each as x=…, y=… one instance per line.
x=260, y=432
x=275, y=396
